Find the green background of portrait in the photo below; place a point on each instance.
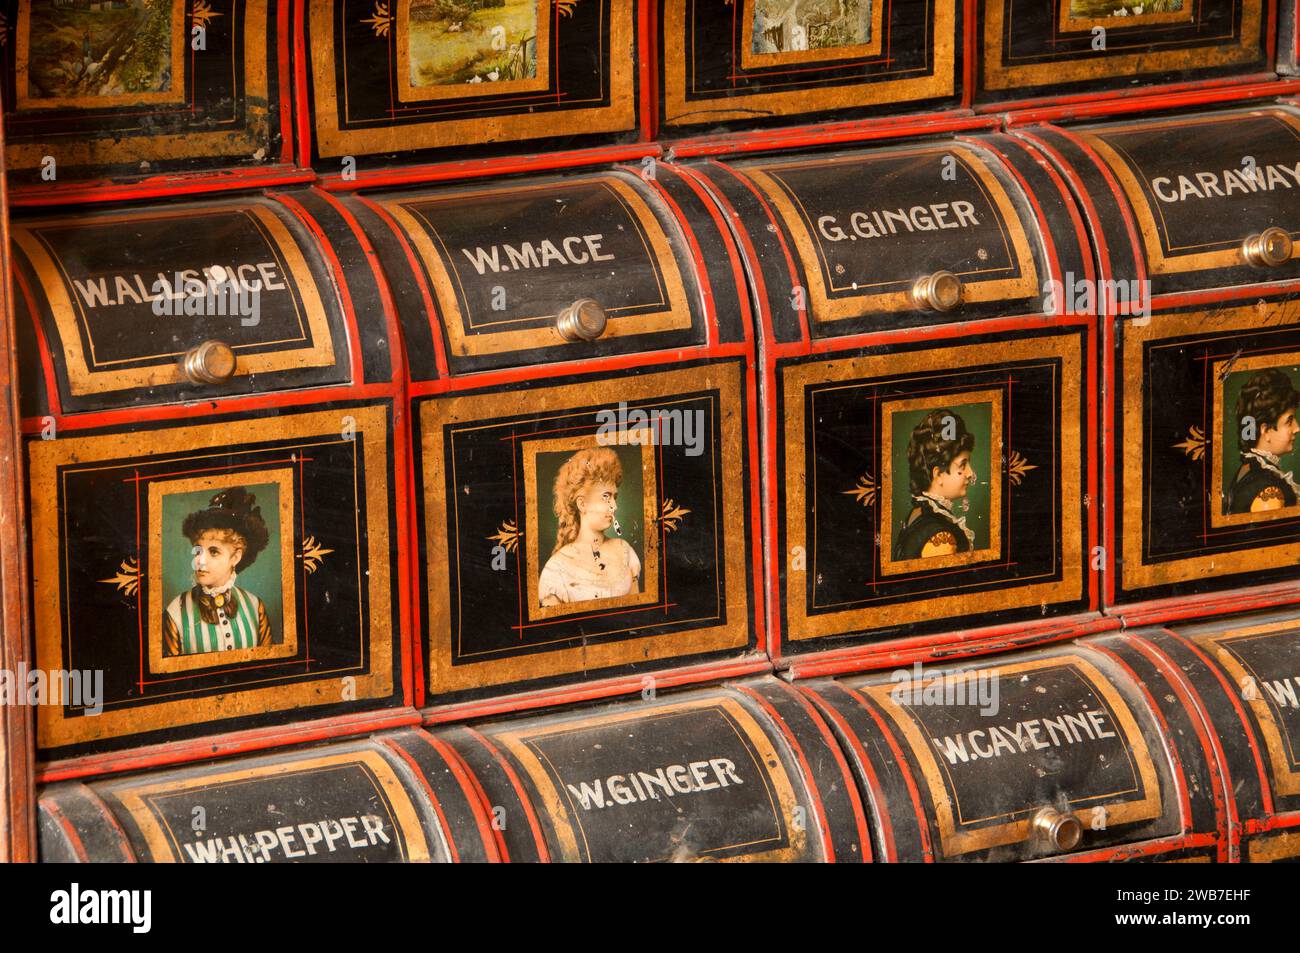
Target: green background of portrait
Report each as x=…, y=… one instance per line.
x=979, y=421
x=1230, y=457
x=263, y=578
x=631, y=502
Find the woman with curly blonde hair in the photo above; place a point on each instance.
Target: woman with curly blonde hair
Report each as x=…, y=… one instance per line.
x=586, y=564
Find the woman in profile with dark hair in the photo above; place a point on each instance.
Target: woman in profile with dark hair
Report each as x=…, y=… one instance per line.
x=215, y=615
x=1266, y=407
x=939, y=472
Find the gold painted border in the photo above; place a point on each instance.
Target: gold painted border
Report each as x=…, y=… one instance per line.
x=82, y=381
x=750, y=60
x=890, y=567
x=187, y=145
x=1136, y=573
x=136, y=796
x=567, y=822
x=25, y=101
x=659, y=255
x=1088, y=66
x=54, y=730
x=800, y=625
x=649, y=593
x=332, y=141
x=1218, y=375
x=283, y=477
x=1070, y=23
x=825, y=309
x=1013, y=832
x=1270, y=850
x=444, y=676
x=1286, y=779
x=846, y=95
x=407, y=92
x=1158, y=262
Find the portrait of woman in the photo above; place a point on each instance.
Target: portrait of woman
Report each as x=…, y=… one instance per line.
x=215, y=614
x=1266, y=410
x=587, y=564
x=939, y=474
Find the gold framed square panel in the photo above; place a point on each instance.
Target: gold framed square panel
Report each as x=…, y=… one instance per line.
x=859, y=46
x=264, y=693
x=1219, y=372
x=481, y=411
x=1151, y=52
x=1140, y=340
x=803, y=92
x=1075, y=15
x=140, y=143
x=526, y=69
x=519, y=54
x=950, y=600
x=1015, y=825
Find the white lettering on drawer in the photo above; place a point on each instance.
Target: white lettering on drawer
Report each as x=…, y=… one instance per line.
x=880, y=222
x=1035, y=734
x=670, y=781
x=573, y=250
x=1203, y=185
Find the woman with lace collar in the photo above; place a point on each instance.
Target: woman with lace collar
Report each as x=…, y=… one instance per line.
x=938, y=457
x=1266, y=409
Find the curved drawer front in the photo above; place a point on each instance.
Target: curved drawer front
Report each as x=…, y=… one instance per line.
x=356, y=802
x=485, y=273
x=120, y=298
x=857, y=231
x=1246, y=673
x=1193, y=191
x=721, y=774
x=985, y=758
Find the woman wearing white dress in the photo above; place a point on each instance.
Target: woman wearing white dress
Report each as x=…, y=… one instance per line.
x=586, y=564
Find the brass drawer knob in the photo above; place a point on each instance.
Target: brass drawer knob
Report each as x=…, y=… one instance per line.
x=1268, y=249
x=940, y=291
x=212, y=362
x=1059, y=831
x=584, y=320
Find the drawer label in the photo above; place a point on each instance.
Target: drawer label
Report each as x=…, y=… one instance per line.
x=1195, y=200
x=1062, y=734
x=503, y=263
x=231, y=274
x=685, y=781
x=866, y=228
x=337, y=808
